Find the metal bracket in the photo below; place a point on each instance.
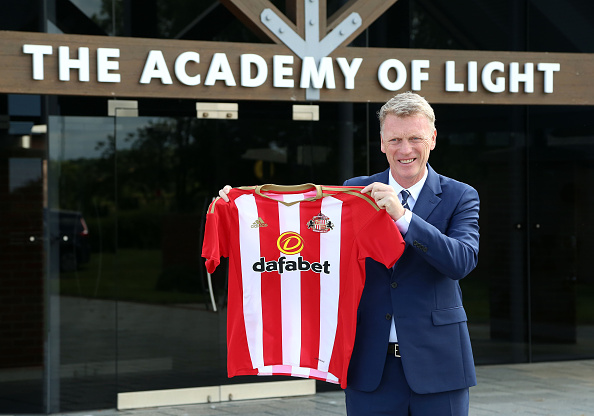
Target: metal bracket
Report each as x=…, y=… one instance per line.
x=312, y=45
x=122, y=108
x=221, y=111
x=306, y=112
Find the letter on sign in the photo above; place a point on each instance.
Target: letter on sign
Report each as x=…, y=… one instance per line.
x=37, y=52
x=155, y=67
x=382, y=74
x=180, y=68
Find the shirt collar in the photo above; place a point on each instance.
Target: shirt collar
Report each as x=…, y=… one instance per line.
x=414, y=190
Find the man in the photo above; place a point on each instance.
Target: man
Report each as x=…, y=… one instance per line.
x=412, y=353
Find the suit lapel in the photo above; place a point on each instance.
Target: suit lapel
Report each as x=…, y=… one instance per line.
x=384, y=176
x=429, y=197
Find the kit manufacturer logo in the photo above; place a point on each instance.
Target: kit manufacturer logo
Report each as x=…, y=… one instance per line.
x=259, y=223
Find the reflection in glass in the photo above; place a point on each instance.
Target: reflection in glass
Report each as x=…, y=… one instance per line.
x=21, y=278
x=136, y=312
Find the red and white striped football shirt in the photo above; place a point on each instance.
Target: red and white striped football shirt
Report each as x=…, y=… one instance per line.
x=296, y=273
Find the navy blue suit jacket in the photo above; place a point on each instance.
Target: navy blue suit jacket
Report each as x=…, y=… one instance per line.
x=422, y=293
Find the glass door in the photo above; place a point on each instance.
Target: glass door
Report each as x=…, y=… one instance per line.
x=485, y=146
x=82, y=306
x=170, y=313
x=561, y=233
x=130, y=306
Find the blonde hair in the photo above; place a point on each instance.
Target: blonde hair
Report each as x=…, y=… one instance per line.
x=404, y=105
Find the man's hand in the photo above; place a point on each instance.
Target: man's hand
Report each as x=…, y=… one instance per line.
x=385, y=197
x=223, y=193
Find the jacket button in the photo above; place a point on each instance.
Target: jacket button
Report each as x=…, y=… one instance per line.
x=394, y=285
x=388, y=316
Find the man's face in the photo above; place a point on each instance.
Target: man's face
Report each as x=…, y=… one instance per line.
x=407, y=141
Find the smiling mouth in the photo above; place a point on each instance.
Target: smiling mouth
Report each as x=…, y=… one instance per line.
x=406, y=161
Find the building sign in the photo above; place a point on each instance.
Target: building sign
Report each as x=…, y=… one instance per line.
x=307, y=62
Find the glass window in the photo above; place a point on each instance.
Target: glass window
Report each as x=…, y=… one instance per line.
x=22, y=261
x=561, y=232
x=128, y=198
x=485, y=146
x=81, y=274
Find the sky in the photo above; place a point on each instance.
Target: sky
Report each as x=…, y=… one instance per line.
x=89, y=7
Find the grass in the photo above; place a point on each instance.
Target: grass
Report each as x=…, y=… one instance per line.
x=128, y=275
x=133, y=274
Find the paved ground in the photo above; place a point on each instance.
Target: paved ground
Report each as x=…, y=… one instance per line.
x=545, y=389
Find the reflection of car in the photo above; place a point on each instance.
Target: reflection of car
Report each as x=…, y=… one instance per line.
x=73, y=237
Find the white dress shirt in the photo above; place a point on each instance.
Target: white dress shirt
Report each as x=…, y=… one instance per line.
x=404, y=222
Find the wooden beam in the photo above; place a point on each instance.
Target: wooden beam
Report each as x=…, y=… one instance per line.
x=248, y=12
x=369, y=10
x=296, y=12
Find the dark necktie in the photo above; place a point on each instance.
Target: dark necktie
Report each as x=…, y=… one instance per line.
x=405, y=194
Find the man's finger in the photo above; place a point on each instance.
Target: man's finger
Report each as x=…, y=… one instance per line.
x=223, y=193
x=375, y=186
x=367, y=188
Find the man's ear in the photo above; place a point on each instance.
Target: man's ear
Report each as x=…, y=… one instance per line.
x=433, y=140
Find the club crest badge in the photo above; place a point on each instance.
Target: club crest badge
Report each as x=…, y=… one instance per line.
x=320, y=224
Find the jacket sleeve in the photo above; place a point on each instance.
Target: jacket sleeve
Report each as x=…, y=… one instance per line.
x=451, y=244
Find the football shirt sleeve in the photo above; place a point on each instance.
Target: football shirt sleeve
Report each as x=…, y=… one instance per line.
x=215, y=243
x=380, y=239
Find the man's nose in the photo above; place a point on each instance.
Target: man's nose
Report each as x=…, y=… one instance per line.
x=405, y=146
